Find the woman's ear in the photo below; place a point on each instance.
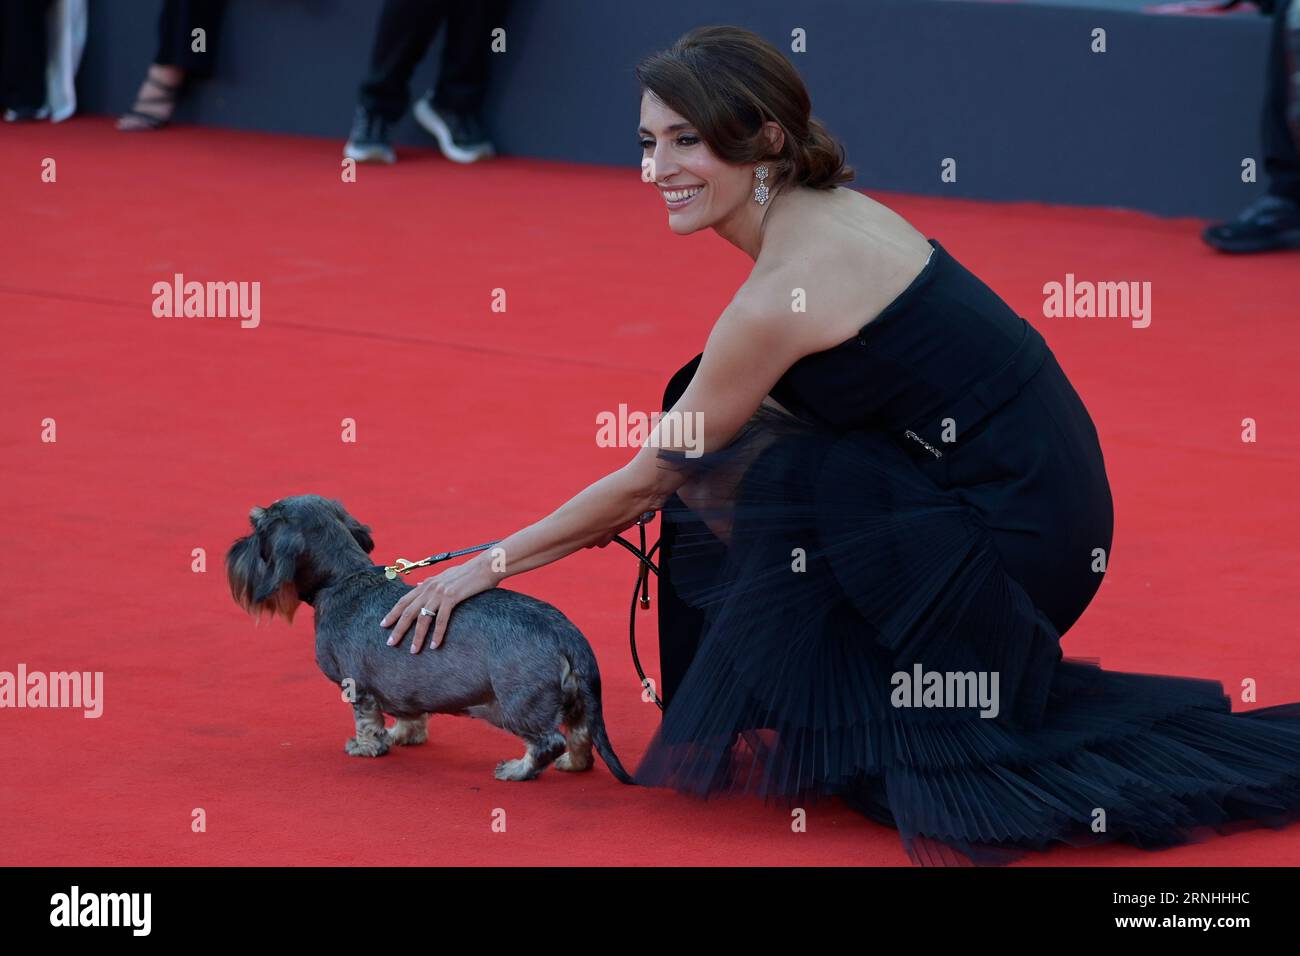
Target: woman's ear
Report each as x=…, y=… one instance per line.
x=775, y=137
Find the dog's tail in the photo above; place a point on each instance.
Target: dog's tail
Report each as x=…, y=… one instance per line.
x=581, y=683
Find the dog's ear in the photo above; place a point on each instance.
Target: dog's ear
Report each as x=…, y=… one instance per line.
x=245, y=570
x=260, y=564
x=359, y=531
x=286, y=547
x=362, y=533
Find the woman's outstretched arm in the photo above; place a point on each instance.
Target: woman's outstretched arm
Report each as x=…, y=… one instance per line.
x=747, y=351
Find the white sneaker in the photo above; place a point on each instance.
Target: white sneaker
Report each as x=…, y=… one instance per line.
x=460, y=136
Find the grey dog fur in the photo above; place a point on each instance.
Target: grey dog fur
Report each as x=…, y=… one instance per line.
x=507, y=658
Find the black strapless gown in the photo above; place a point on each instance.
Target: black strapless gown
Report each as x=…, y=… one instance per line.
x=931, y=499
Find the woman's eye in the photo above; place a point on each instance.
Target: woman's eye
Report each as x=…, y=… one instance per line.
x=686, y=139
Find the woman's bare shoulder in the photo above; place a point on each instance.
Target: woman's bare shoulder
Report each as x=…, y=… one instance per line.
x=834, y=265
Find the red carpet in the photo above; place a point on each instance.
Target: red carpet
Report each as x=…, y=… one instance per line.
x=375, y=306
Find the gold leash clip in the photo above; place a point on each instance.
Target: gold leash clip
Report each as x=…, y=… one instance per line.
x=403, y=567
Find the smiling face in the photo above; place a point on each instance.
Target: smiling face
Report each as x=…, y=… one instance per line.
x=699, y=190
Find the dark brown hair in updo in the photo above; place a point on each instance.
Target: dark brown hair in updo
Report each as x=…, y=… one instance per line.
x=728, y=82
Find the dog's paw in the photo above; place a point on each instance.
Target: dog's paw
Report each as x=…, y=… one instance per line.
x=521, y=769
x=366, y=747
x=408, y=733
x=566, y=761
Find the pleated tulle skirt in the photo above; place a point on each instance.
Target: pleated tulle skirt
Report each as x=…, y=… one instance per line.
x=862, y=639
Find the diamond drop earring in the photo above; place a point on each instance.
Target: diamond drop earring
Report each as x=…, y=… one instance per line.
x=760, y=191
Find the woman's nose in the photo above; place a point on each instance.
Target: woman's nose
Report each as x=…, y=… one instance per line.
x=662, y=164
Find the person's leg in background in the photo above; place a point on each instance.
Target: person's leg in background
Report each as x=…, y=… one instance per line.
x=1273, y=221
x=452, y=111
x=22, y=60
x=181, y=56
x=1282, y=112
x=403, y=36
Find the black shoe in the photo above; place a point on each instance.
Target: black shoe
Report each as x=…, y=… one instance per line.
x=1269, y=223
x=368, y=141
x=460, y=135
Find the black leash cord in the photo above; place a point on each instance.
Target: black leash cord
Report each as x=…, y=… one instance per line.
x=641, y=590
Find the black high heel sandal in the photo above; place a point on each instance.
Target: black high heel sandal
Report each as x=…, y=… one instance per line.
x=168, y=96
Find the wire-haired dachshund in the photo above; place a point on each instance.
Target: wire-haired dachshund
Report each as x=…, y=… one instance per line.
x=508, y=658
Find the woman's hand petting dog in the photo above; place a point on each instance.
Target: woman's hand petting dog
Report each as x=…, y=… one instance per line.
x=439, y=594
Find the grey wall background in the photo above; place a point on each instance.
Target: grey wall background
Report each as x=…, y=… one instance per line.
x=1160, y=122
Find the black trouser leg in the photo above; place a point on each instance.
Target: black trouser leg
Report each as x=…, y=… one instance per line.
x=405, y=31
x=176, y=25
x=463, y=74
x=22, y=54
x=1281, y=103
